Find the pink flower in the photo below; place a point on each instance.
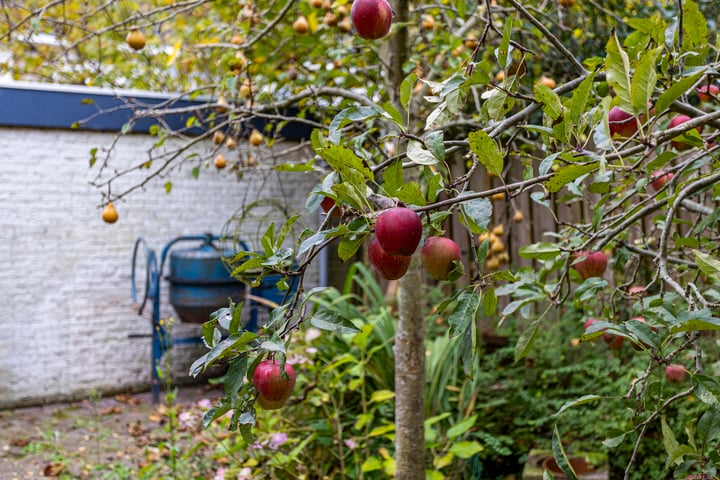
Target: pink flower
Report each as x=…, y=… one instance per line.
x=277, y=439
x=220, y=474
x=186, y=420
x=350, y=444
x=204, y=403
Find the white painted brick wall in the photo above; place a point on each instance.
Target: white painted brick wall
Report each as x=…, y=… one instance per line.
x=65, y=275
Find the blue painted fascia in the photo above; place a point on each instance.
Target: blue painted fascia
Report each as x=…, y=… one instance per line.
x=40, y=105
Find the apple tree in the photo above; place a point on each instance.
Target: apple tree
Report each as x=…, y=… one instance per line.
x=612, y=108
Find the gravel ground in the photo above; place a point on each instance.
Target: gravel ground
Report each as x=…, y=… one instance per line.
x=86, y=439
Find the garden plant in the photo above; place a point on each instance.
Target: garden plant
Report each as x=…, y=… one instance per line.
x=602, y=115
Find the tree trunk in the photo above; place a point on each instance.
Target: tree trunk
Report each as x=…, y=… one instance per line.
x=409, y=341
x=410, y=378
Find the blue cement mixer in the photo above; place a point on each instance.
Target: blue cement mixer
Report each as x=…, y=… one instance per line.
x=199, y=284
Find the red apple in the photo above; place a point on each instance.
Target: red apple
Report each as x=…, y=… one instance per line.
x=371, y=18
x=621, y=123
x=266, y=404
x=391, y=267
x=592, y=264
x=398, y=230
x=589, y=322
x=704, y=95
x=614, y=342
x=327, y=204
x=676, y=373
x=660, y=178
x=438, y=255
x=674, y=122
x=271, y=385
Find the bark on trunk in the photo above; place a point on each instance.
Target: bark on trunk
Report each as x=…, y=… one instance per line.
x=409, y=342
x=410, y=378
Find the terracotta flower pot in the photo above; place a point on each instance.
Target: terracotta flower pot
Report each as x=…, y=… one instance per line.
x=580, y=466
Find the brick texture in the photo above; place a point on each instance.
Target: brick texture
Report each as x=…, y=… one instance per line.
x=65, y=278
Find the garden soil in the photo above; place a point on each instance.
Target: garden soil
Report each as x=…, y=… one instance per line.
x=76, y=440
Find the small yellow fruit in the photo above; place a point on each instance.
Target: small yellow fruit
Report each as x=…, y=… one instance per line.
x=499, y=230
x=471, y=42
x=218, y=137
x=220, y=161
x=135, y=39
x=492, y=238
x=547, y=81
x=341, y=11
x=497, y=247
x=498, y=196
x=223, y=104
x=301, y=25
x=500, y=76
x=518, y=216
x=492, y=263
x=345, y=25
x=109, y=214
x=316, y=3
x=331, y=20
x=428, y=22
x=256, y=138
x=237, y=39
x=245, y=89
x=567, y=3
x=251, y=161
x=504, y=257
x=483, y=236
x=231, y=143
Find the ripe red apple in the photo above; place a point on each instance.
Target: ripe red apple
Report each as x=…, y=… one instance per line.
x=391, y=267
x=371, y=18
x=676, y=373
x=398, y=230
x=702, y=92
x=621, y=123
x=660, y=178
x=438, y=255
x=270, y=384
x=614, y=342
x=593, y=264
x=327, y=204
x=674, y=122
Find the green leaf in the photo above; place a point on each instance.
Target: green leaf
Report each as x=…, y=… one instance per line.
x=295, y=167
x=540, y=251
x=578, y=401
x=644, y=80
x=168, y=186
x=411, y=193
x=382, y=396
x=695, y=34
x=465, y=450
x=707, y=389
x=617, y=65
x=417, y=154
x=406, y=89
x=527, y=339
x=560, y=456
x=707, y=264
x=676, y=90
x=371, y=464
x=233, y=379
x=349, y=115
x=462, y=427
x=349, y=247
x=464, y=312
x=393, y=178
x=490, y=301
x=435, y=143
x=567, y=174
x=344, y=161
x=669, y=441
x=333, y=322
x=477, y=214
x=486, y=151
x=579, y=100
x=552, y=106
x=613, y=442
x=195, y=172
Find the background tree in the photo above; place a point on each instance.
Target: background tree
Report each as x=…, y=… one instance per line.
x=492, y=88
